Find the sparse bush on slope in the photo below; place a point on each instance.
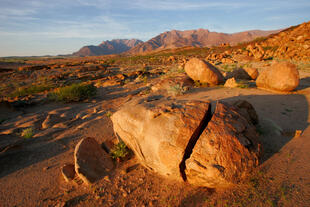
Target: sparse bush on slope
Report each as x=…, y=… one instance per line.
x=74, y=93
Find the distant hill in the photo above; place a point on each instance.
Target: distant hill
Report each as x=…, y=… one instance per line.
x=108, y=47
x=195, y=38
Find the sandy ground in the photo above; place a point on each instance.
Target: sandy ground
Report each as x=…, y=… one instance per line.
x=30, y=169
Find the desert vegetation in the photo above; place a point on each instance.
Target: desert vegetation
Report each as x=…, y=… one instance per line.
x=73, y=93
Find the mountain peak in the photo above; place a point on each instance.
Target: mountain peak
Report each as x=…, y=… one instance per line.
x=108, y=47
x=195, y=38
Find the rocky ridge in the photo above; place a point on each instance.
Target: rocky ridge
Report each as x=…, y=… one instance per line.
x=292, y=43
x=108, y=47
x=195, y=38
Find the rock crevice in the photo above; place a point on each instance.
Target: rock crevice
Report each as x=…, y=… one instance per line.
x=193, y=140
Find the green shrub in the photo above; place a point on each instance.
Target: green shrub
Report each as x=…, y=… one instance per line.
x=228, y=67
x=127, y=81
x=176, y=90
x=119, y=151
x=27, y=133
x=146, y=91
x=74, y=92
x=243, y=84
x=108, y=113
x=24, y=91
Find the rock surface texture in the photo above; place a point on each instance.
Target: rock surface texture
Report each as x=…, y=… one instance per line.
x=204, y=72
x=252, y=72
x=226, y=150
x=282, y=76
x=182, y=140
x=91, y=161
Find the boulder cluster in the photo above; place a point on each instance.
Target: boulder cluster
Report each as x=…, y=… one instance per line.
x=280, y=76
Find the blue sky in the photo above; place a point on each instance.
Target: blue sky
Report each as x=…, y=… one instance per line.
x=51, y=27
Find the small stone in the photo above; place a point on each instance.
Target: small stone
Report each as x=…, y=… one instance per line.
x=231, y=83
x=46, y=168
x=298, y=133
x=68, y=172
x=106, y=178
x=61, y=204
x=86, y=116
x=91, y=161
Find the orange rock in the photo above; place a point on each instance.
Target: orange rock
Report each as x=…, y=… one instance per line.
x=68, y=172
x=226, y=150
x=252, y=72
x=231, y=83
x=91, y=161
x=282, y=76
x=158, y=130
x=200, y=70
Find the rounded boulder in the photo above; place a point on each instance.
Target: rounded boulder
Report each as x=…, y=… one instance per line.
x=204, y=72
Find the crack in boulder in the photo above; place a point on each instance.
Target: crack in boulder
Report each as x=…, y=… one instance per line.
x=222, y=154
x=193, y=140
x=185, y=141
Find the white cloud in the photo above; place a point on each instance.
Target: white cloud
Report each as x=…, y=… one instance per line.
x=183, y=5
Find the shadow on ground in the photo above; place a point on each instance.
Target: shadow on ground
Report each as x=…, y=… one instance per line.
x=304, y=83
x=279, y=118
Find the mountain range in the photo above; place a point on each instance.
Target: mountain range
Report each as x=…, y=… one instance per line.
x=115, y=46
x=171, y=39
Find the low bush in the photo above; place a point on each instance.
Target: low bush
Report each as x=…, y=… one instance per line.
x=27, y=133
x=119, y=151
x=176, y=90
x=74, y=93
x=33, y=89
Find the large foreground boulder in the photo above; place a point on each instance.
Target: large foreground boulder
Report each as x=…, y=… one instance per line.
x=282, y=76
x=180, y=139
x=204, y=72
x=226, y=150
x=158, y=131
x=91, y=161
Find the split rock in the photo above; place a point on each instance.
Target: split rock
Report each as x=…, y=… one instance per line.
x=91, y=161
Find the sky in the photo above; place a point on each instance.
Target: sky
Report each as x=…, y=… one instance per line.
x=52, y=27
